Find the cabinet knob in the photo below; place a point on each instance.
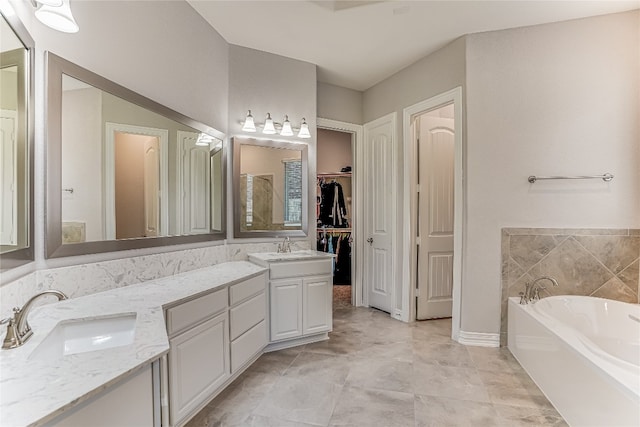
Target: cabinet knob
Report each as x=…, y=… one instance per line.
x=370, y=240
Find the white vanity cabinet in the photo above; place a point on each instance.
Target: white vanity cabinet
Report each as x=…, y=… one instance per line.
x=248, y=319
x=300, y=296
x=198, y=359
x=212, y=338
x=128, y=403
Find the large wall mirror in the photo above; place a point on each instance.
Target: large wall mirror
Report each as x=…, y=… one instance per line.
x=125, y=172
x=16, y=139
x=270, y=188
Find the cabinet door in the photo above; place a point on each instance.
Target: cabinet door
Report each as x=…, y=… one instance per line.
x=129, y=403
x=286, y=309
x=317, y=304
x=198, y=365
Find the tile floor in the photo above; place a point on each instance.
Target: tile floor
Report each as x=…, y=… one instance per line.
x=376, y=371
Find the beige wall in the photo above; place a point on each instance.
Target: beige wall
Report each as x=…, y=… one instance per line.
x=82, y=160
x=339, y=103
x=556, y=99
x=129, y=185
x=266, y=83
x=433, y=75
x=334, y=151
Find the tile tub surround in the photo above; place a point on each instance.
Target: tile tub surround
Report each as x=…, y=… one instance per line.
x=377, y=371
x=85, y=279
x=35, y=391
x=603, y=263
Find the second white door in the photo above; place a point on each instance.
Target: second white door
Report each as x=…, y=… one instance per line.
x=435, y=216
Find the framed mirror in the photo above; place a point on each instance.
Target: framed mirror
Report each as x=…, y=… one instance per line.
x=124, y=172
x=16, y=139
x=270, y=188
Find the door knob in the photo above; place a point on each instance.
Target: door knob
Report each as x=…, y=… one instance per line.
x=370, y=240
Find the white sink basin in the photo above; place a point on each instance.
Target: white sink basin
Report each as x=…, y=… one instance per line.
x=84, y=335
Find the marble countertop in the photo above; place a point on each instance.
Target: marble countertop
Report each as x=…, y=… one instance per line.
x=266, y=257
x=34, y=391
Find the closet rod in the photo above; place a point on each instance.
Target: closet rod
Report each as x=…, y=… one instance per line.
x=334, y=230
x=334, y=174
x=605, y=177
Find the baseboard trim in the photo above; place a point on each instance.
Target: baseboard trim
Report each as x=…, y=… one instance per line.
x=281, y=345
x=479, y=339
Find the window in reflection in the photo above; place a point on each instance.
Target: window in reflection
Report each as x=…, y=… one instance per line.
x=271, y=188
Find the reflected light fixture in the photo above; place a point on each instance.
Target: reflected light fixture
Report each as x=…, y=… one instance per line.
x=56, y=14
x=249, y=125
x=304, y=129
x=286, y=127
x=204, y=140
x=269, y=128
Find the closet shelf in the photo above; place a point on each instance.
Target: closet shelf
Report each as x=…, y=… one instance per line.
x=337, y=174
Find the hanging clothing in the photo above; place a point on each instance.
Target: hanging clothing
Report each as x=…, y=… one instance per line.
x=333, y=211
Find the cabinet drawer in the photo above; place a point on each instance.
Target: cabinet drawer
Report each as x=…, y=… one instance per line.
x=243, y=290
x=247, y=314
x=247, y=345
x=195, y=311
x=316, y=267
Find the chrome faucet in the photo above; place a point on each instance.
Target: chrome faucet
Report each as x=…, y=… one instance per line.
x=18, y=329
x=285, y=246
x=532, y=290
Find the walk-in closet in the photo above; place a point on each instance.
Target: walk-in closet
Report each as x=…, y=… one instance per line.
x=334, y=209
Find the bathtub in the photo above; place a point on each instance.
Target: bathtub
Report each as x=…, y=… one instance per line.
x=584, y=354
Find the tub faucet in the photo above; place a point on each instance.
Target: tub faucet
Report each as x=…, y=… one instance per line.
x=532, y=290
x=285, y=246
x=18, y=330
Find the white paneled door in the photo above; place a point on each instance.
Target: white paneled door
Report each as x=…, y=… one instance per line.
x=151, y=187
x=379, y=214
x=435, y=216
x=8, y=178
x=196, y=192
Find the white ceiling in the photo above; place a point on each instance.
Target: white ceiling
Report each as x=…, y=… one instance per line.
x=357, y=44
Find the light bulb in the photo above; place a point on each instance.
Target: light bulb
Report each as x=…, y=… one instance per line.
x=286, y=127
x=249, y=125
x=269, y=128
x=304, y=129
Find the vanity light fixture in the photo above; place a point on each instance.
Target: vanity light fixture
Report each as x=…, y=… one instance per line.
x=56, y=14
x=286, y=127
x=304, y=129
x=249, y=125
x=269, y=128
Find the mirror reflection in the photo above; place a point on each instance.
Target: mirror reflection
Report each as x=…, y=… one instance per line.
x=270, y=180
x=14, y=151
x=124, y=172
x=128, y=172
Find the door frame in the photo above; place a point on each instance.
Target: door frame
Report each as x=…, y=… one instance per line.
x=109, y=174
x=409, y=267
x=356, y=131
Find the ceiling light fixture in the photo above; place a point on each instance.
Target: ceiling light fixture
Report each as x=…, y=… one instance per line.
x=56, y=14
x=269, y=128
x=249, y=125
x=204, y=140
